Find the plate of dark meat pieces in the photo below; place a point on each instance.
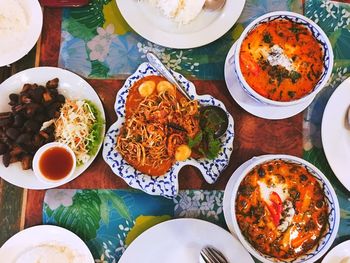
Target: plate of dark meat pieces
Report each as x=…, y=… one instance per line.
x=42, y=105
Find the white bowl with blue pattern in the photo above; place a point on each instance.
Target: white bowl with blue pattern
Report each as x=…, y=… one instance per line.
x=328, y=236
x=316, y=32
x=166, y=185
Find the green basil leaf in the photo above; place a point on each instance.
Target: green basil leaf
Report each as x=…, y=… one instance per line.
x=196, y=140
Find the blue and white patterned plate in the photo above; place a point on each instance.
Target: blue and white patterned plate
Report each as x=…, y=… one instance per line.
x=318, y=35
x=166, y=185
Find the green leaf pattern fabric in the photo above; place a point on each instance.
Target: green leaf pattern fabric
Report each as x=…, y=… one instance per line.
x=334, y=19
x=109, y=220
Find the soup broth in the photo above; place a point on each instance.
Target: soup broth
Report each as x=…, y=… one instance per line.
x=281, y=209
x=281, y=60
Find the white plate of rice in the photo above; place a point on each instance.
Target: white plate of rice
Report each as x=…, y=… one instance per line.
x=20, y=27
x=179, y=23
x=45, y=243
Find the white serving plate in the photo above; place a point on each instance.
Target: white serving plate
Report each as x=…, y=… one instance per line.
x=33, y=237
x=180, y=240
x=335, y=137
x=151, y=24
x=338, y=253
x=16, y=46
x=71, y=86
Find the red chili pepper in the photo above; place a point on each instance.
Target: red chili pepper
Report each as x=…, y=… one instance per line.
x=275, y=207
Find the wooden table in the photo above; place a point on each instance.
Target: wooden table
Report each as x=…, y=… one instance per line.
x=21, y=208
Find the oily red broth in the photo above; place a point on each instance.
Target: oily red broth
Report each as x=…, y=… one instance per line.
x=281, y=60
x=281, y=209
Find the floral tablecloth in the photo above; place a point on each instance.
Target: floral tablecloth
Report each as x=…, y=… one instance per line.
x=96, y=42
x=109, y=220
x=334, y=19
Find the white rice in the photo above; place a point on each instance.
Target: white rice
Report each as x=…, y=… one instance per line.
x=180, y=11
x=12, y=18
x=53, y=253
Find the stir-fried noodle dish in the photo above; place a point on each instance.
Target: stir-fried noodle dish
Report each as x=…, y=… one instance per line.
x=159, y=122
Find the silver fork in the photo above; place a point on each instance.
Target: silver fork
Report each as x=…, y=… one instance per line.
x=210, y=254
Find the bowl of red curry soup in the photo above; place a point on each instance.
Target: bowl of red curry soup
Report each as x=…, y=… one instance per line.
x=283, y=209
x=283, y=58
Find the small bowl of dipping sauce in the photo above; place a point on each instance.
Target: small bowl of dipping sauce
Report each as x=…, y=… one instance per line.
x=54, y=162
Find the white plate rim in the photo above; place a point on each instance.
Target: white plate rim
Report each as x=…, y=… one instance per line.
x=335, y=251
x=228, y=16
x=251, y=105
x=69, y=83
x=37, y=235
x=31, y=35
x=332, y=129
x=190, y=224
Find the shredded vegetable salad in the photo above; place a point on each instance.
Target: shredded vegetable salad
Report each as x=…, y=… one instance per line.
x=79, y=126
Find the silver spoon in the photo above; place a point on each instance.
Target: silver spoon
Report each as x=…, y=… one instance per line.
x=213, y=5
x=205, y=111
x=209, y=254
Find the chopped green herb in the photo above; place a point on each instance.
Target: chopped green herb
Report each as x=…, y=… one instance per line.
x=291, y=94
x=196, y=140
x=201, y=151
x=315, y=74
x=295, y=29
x=294, y=76
x=205, y=143
x=214, y=145
x=267, y=38
x=273, y=90
x=309, y=75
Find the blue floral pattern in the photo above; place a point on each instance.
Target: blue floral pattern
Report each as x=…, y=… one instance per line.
x=166, y=185
x=75, y=55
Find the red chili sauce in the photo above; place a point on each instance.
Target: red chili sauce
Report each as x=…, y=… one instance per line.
x=55, y=163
